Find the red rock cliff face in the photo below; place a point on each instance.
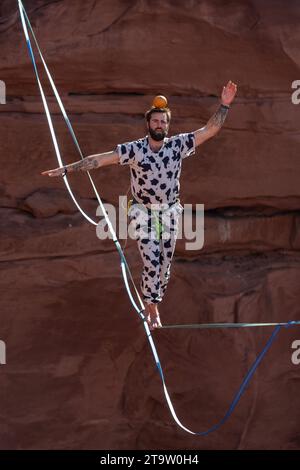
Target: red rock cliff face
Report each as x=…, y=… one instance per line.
x=79, y=372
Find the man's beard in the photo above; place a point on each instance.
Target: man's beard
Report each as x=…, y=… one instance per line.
x=158, y=135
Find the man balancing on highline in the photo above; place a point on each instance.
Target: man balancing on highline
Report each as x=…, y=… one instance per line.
x=155, y=167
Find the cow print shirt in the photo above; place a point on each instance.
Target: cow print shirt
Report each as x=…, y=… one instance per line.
x=155, y=175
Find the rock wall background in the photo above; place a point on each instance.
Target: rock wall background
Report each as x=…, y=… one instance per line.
x=79, y=373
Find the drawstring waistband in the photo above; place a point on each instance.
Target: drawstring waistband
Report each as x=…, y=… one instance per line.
x=134, y=201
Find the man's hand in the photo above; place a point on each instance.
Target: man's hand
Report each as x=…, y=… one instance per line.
x=228, y=93
x=56, y=172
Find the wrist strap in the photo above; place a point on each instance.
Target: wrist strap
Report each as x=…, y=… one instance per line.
x=225, y=106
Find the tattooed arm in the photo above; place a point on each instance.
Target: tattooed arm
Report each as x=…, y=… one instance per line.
x=217, y=120
x=88, y=163
x=212, y=127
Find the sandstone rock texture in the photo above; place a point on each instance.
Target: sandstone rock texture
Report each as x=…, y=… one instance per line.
x=79, y=372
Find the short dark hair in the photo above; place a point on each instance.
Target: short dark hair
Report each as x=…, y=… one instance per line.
x=152, y=110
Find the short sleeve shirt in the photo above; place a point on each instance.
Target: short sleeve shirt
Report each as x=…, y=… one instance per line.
x=155, y=175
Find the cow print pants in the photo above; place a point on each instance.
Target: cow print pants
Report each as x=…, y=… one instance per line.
x=156, y=233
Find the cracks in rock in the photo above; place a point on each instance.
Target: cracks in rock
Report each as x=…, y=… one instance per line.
x=58, y=257
x=247, y=260
x=116, y=20
x=19, y=205
x=14, y=18
x=294, y=231
x=255, y=23
x=254, y=211
x=8, y=21
x=236, y=311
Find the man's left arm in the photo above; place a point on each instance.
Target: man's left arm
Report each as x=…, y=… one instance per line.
x=217, y=120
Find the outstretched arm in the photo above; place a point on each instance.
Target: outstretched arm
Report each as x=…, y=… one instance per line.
x=88, y=163
x=217, y=120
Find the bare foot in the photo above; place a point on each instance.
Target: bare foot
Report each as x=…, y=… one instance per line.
x=152, y=316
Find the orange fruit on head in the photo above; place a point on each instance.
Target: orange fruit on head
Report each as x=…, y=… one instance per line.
x=160, y=101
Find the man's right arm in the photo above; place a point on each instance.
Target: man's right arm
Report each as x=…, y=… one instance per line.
x=88, y=163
